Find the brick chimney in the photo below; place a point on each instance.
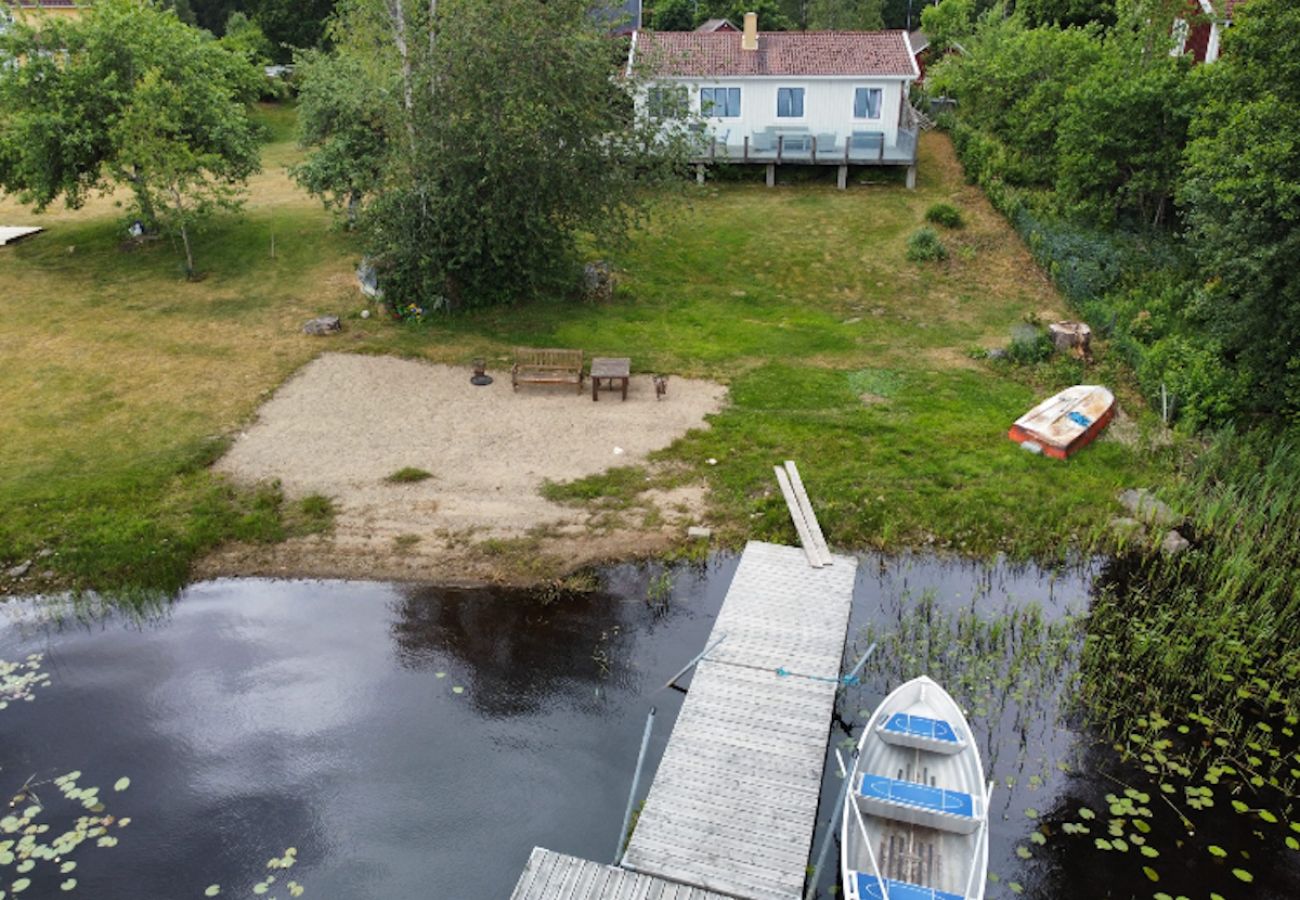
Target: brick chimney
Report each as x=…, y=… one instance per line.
x=749, y=40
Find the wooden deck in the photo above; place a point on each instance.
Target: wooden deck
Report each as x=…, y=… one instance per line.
x=554, y=876
x=734, y=804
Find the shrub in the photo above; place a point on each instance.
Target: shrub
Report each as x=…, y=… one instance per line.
x=945, y=214
x=1202, y=390
x=924, y=246
x=1029, y=345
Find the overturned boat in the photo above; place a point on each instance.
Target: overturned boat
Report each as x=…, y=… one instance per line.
x=1065, y=423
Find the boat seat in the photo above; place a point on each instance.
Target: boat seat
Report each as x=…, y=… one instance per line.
x=867, y=887
x=920, y=732
x=919, y=804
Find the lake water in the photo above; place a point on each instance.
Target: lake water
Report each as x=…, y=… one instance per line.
x=415, y=742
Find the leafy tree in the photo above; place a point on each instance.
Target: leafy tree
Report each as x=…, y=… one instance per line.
x=245, y=37
x=674, y=15
x=292, y=24
x=1064, y=13
x=70, y=122
x=771, y=17
x=1241, y=199
x=947, y=22
x=1122, y=135
x=772, y=14
x=341, y=115
x=1012, y=85
x=509, y=149
x=180, y=182
x=846, y=15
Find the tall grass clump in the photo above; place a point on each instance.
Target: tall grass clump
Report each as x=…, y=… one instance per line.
x=945, y=214
x=1213, y=632
x=924, y=246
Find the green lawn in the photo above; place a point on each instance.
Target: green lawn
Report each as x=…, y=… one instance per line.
x=121, y=381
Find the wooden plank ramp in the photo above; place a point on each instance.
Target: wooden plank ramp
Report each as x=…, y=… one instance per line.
x=801, y=513
x=555, y=876
x=734, y=803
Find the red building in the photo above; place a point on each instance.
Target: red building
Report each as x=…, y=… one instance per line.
x=1201, y=30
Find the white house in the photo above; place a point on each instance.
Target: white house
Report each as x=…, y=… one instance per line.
x=786, y=97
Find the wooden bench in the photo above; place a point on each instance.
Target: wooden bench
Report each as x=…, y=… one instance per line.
x=546, y=366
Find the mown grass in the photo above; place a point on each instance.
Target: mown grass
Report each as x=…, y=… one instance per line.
x=121, y=381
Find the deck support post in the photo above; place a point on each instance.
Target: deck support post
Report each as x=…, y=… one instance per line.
x=842, y=180
x=699, y=173
x=911, y=177
x=771, y=174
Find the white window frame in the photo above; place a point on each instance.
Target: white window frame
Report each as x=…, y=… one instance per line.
x=803, y=103
x=880, y=107
x=740, y=111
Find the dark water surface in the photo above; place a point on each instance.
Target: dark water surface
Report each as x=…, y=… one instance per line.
x=255, y=715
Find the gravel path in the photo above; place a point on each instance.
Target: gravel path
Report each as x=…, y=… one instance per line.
x=345, y=422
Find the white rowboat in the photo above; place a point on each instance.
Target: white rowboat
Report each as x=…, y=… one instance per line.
x=915, y=825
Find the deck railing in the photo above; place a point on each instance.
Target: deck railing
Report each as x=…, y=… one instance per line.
x=802, y=148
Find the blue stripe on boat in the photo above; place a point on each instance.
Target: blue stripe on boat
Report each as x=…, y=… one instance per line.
x=920, y=726
x=921, y=796
x=869, y=889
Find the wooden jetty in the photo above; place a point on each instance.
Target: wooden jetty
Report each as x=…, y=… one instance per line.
x=734, y=802
x=555, y=876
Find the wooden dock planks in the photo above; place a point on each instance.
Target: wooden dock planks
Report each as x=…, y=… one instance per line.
x=733, y=806
x=555, y=876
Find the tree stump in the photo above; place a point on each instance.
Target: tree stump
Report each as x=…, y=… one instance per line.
x=1076, y=336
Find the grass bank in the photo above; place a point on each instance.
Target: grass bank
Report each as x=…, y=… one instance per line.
x=121, y=381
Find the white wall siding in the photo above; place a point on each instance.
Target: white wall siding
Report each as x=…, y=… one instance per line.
x=828, y=107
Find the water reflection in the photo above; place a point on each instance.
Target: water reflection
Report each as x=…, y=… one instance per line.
x=256, y=715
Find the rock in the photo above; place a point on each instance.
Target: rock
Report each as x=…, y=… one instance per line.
x=1071, y=335
x=698, y=531
x=47, y=574
x=323, y=325
x=1174, y=544
x=996, y=353
x=44, y=553
x=1146, y=508
x=20, y=570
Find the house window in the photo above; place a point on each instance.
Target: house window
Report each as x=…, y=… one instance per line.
x=720, y=103
x=789, y=103
x=667, y=102
x=866, y=103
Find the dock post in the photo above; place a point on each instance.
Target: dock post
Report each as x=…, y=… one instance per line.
x=771, y=174
x=636, y=782
x=842, y=181
x=911, y=177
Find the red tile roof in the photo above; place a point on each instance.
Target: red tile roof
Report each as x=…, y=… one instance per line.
x=788, y=53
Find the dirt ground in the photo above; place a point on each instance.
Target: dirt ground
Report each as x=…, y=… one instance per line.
x=346, y=422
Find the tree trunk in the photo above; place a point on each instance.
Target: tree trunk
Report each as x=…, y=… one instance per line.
x=398, y=16
x=179, y=202
x=189, y=254
x=142, y=197
x=354, y=206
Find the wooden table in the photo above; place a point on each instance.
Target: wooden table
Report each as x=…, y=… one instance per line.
x=610, y=369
